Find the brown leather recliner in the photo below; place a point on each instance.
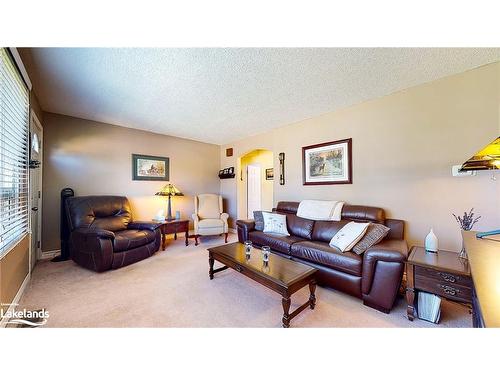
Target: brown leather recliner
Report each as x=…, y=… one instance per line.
x=375, y=276
x=103, y=235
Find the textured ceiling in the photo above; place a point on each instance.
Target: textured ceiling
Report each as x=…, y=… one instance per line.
x=221, y=95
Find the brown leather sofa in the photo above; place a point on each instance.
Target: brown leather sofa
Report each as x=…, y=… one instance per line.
x=103, y=235
x=375, y=276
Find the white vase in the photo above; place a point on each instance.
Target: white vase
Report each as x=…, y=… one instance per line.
x=431, y=242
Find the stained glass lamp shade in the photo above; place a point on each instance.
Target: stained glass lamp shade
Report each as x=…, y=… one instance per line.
x=169, y=191
x=486, y=159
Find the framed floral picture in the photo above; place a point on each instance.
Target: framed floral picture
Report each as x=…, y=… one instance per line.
x=150, y=168
x=327, y=163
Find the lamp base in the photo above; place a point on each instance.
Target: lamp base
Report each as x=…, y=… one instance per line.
x=486, y=234
x=169, y=209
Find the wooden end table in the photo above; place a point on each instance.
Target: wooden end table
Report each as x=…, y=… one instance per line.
x=443, y=273
x=173, y=227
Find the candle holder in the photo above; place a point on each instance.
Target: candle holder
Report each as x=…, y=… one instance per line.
x=248, y=247
x=266, y=250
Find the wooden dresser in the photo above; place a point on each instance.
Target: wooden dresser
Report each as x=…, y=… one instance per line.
x=484, y=262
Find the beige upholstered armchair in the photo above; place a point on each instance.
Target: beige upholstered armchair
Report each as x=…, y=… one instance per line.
x=209, y=220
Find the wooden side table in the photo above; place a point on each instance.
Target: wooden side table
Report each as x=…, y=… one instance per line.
x=443, y=273
x=174, y=227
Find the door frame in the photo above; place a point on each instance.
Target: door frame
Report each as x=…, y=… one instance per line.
x=34, y=121
x=260, y=187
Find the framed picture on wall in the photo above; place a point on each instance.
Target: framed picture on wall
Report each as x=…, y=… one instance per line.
x=327, y=163
x=269, y=174
x=150, y=168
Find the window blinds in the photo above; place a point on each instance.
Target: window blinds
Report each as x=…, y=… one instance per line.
x=14, y=130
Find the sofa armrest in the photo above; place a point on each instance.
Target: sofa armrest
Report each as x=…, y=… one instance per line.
x=244, y=228
x=141, y=225
x=383, y=266
x=94, y=232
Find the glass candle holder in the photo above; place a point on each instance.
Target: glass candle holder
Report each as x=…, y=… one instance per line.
x=248, y=247
x=266, y=250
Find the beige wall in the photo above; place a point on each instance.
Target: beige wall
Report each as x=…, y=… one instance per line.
x=404, y=146
x=264, y=159
x=13, y=270
x=95, y=158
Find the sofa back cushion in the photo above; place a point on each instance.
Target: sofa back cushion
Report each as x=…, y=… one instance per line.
x=325, y=230
x=364, y=214
x=107, y=212
x=299, y=227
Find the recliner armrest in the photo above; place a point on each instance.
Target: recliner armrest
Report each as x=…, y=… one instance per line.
x=141, y=225
x=95, y=232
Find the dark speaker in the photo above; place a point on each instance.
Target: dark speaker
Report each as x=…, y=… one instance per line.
x=64, y=234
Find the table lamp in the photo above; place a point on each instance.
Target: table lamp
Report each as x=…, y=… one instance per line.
x=487, y=158
x=169, y=191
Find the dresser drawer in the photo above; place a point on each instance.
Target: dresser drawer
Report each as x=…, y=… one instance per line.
x=175, y=228
x=445, y=289
x=444, y=277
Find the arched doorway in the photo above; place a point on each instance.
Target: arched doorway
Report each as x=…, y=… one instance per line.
x=254, y=185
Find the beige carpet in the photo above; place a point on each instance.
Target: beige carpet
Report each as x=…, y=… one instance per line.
x=172, y=289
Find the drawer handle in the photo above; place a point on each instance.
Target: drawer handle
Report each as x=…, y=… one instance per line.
x=449, y=290
x=447, y=277
x=239, y=268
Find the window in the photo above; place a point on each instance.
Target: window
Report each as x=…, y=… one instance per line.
x=14, y=130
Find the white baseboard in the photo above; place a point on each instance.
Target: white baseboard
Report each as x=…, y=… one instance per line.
x=50, y=254
x=16, y=299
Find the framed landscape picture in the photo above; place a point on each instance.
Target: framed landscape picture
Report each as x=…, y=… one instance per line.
x=327, y=163
x=150, y=168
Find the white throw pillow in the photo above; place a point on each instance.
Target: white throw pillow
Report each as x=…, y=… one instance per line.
x=349, y=236
x=275, y=224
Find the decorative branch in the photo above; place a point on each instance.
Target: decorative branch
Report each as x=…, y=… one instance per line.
x=467, y=221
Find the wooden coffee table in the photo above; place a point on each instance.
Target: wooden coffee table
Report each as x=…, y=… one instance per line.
x=282, y=275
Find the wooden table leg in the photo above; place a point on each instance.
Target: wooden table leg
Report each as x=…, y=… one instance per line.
x=163, y=241
x=187, y=236
x=312, y=296
x=410, y=293
x=286, y=310
x=211, y=266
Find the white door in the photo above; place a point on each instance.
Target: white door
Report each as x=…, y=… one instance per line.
x=36, y=137
x=253, y=190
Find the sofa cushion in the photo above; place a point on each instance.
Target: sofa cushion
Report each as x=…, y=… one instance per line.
x=299, y=227
x=374, y=234
x=132, y=238
x=325, y=230
x=275, y=224
x=321, y=253
x=275, y=242
x=259, y=220
x=211, y=223
x=349, y=236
